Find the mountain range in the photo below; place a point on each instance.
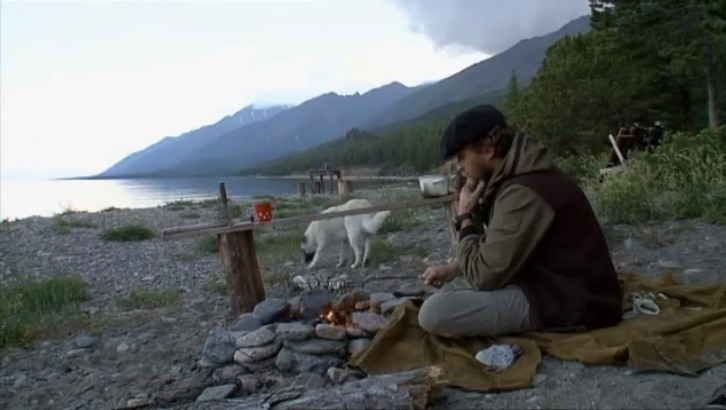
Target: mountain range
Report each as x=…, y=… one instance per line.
x=255, y=135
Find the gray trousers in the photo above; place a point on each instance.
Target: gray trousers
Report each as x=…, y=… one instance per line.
x=458, y=310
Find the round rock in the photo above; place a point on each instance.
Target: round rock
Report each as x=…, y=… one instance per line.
x=85, y=341
x=326, y=331
x=259, y=337
x=254, y=354
x=370, y=322
x=295, y=331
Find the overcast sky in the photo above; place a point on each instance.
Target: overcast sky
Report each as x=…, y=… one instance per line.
x=84, y=84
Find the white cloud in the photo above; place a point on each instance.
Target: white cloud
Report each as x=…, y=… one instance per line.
x=85, y=84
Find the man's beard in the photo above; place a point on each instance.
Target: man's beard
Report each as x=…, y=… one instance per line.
x=487, y=174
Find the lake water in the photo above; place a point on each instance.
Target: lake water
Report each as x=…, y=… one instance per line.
x=23, y=198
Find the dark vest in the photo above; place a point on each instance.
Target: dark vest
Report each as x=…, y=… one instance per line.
x=569, y=280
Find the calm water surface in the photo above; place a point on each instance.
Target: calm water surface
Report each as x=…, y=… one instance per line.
x=23, y=198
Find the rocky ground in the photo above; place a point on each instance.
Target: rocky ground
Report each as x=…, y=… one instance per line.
x=153, y=304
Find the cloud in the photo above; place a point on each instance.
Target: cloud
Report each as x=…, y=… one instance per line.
x=489, y=26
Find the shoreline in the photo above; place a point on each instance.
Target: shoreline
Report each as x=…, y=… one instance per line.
x=144, y=297
x=245, y=201
x=304, y=177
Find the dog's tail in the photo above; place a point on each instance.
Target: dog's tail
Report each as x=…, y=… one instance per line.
x=372, y=223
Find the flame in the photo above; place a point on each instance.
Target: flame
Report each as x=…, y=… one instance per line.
x=333, y=317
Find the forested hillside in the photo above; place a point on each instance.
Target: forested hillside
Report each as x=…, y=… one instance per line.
x=408, y=148
x=642, y=62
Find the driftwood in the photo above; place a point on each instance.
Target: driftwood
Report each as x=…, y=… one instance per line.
x=414, y=389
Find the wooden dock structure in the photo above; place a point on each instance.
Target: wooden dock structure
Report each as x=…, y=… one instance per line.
x=237, y=245
x=317, y=178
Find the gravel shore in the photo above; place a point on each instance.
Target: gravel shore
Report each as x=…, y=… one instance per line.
x=141, y=352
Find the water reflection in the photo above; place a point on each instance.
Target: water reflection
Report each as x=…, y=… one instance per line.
x=23, y=198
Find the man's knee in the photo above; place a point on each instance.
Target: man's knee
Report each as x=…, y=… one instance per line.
x=435, y=315
x=472, y=313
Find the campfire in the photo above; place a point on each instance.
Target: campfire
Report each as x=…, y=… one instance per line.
x=351, y=312
x=335, y=317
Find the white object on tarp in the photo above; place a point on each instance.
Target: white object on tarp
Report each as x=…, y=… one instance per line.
x=433, y=186
x=499, y=357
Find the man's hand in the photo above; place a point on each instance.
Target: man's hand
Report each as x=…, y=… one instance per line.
x=438, y=275
x=469, y=195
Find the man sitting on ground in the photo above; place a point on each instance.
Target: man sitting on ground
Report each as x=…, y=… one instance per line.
x=533, y=253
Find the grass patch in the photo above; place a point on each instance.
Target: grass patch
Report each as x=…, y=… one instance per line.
x=182, y=204
x=208, y=245
x=150, y=299
x=684, y=178
x=383, y=251
x=178, y=205
x=400, y=220
x=128, y=233
x=215, y=285
x=64, y=225
x=32, y=308
x=69, y=210
x=276, y=247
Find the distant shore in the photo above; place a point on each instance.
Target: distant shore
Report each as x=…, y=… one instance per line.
x=301, y=177
x=83, y=199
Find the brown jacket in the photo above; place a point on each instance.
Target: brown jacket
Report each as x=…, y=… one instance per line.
x=537, y=230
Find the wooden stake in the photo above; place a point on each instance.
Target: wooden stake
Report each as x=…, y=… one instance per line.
x=617, y=150
x=225, y=202
x=239, y=258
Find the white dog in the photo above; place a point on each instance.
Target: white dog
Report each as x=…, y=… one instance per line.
x=356, y=230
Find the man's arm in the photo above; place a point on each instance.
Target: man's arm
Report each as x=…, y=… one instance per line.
x=520, y=219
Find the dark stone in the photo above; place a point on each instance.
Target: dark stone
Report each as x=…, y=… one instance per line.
x=314, y=303
x=246, y=322
x=290, y=361
x=219, y=348
x=271, y=310
x=85, y=340
x=316, y=346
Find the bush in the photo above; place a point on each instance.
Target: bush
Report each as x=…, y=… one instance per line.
x=128, y=233
x=582, y=168
x=684, y=178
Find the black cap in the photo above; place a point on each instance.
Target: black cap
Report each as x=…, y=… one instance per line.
x=468, y=126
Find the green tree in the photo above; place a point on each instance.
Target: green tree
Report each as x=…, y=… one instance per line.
x=675, y=41
x=512, y=101
x=583, y=91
